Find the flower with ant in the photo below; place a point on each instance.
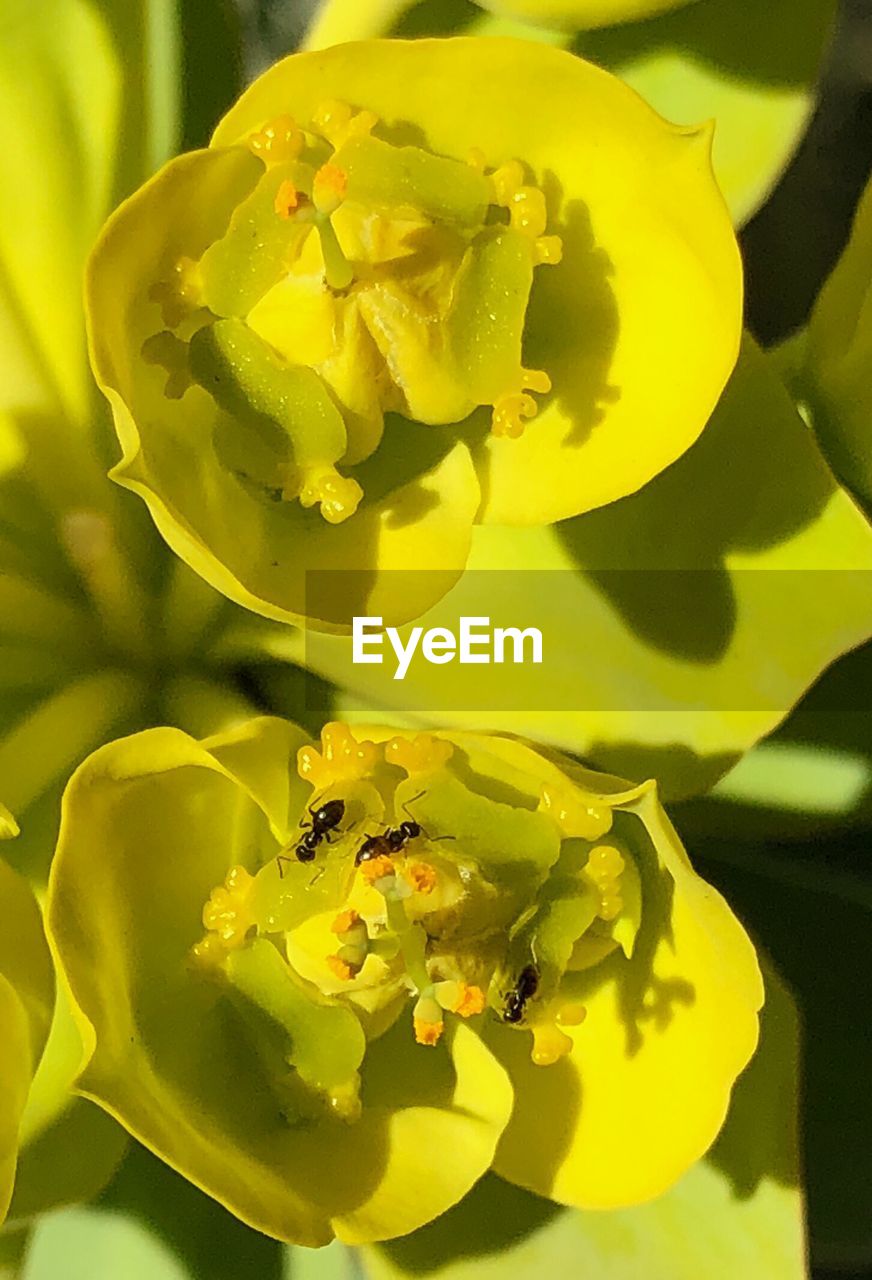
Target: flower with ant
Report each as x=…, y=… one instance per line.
x=518, y=922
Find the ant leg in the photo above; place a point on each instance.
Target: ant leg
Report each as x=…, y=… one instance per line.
x=280, y=858
x=318, y=874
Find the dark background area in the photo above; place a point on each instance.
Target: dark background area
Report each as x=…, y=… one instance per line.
x=794, y=241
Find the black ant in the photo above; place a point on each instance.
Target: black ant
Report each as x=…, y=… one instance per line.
x=325, y=818
x=394, y=839
x=523, y=990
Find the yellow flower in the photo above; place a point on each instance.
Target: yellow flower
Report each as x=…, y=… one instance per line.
x=372, y=314
x=497, y=957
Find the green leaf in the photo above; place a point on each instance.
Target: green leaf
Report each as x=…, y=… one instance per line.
x=815, y=923
x=835, y=378
x=751, y=67
x=811, y=777
x=87, y=96
x=738, y=1212
x=688, y=618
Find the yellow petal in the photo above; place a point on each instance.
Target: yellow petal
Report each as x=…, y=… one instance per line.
x=150, y=825
x=646, y=1087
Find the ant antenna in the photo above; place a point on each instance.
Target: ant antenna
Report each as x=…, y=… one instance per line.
x=408, y=812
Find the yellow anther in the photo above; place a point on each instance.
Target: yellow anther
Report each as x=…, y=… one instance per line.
x=422, y=877
x=180, y=294
x=460, y=997
x=428, y=1032
x=341, y=758
x=329, y=187
x=341, y=968
x=377, y=868
x=571, y=1014
x=421, y=754
x=344, y=921
x=506, y=181
x=527, y=212
x=427, y=1018
x=278, y=141
x=287, y=199
x=339, y=496
x=227, y=914
x=604, y=865
x=575, y=814
x=510, y=413
x=550, y=1044
x=548, y=251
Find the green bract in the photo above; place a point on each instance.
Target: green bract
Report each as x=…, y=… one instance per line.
x=290, y=982
x=835, y=377
x=573, y=15
x=683, y=622
x=26, y=999
x=346, y=333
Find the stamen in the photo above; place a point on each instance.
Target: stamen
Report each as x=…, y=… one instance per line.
x=340, y=967
x=341, y=758
x=287, y=199
x=329, y=188
x=460, y=997
x=338, y=271
x=376, y=869
x=422, y=877
x=344, y=921
x=428, y=1021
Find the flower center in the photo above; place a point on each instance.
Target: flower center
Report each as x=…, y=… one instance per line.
x=357, y=277
x=403, y=888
